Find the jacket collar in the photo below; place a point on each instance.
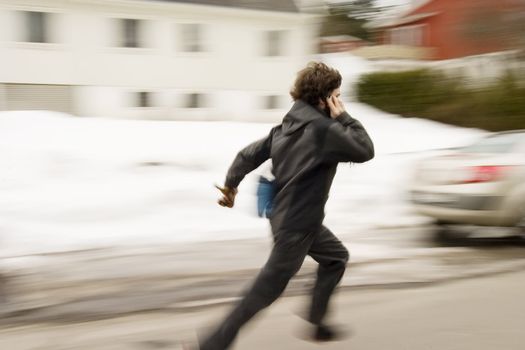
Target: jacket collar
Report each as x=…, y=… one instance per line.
x=299, y=115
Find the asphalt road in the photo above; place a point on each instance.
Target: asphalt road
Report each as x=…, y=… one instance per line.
x=478, y=314
x=107, y=283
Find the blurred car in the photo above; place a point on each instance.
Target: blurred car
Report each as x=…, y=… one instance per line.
x=480, y=184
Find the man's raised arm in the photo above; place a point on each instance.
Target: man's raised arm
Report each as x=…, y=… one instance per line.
x=248, y=159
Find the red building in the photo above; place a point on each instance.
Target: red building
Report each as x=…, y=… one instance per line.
x=456, y=28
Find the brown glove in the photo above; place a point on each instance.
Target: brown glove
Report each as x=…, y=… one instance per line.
x=228, y=196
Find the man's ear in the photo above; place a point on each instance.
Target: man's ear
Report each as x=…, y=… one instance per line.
x=322, y=103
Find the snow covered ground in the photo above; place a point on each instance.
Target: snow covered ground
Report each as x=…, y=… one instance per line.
x=79, y=183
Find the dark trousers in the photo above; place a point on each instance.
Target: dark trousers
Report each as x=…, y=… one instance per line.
x=286, y=258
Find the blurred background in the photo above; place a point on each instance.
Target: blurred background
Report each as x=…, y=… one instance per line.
x=117, y=117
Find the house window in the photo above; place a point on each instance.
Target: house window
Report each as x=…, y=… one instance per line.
x=130, y=32
x=407, y=35
x=195, y=100
x=191, y=37
x=274, y=43
x=36, y=27
x=143, y=99
x=271, y=102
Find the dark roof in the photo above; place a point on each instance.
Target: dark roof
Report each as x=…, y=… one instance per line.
x=267, y=5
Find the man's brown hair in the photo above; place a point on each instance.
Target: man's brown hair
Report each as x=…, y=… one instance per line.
x=315, y=82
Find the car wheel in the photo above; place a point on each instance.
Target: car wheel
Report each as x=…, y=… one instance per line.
x=447, y=233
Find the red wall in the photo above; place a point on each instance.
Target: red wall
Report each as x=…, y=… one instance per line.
x=446, y=32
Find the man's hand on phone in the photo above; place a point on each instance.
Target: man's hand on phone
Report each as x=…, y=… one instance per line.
x=335, y=105
x=228, y=196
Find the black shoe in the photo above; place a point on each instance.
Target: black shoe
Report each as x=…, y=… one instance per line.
x=324, y=333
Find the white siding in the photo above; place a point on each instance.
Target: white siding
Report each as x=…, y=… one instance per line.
x=85, y=53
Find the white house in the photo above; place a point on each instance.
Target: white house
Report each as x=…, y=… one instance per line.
x=152, y=59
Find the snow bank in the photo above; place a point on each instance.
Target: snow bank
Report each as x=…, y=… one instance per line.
x=78, y=183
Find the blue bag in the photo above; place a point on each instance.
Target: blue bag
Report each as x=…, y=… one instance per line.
x=265, y=196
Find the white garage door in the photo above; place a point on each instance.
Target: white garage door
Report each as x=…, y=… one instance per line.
x=38, y=96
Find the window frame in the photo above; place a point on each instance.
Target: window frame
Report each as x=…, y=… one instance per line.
x=191, y=37
x=136, y=30
x=42, y=35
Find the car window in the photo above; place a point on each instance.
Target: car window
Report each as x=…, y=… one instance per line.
x=499, y=143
